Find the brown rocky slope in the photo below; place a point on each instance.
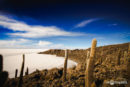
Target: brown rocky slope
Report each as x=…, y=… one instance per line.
x=111, y=64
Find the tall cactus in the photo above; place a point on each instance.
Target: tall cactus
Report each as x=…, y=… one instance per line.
x=1, y=63
x=3, y=74
x=101, y=57
x=125, y=57
x=125, y=54
x=102, y=50
x=129, y=48
x=128, y=66
x=3, y=78
x=89, y=79
x=16, y=73
x=21, y=73
x=65, y=65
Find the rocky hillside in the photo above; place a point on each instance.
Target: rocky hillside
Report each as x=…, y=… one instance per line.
x=111, y=61
x=111, y=65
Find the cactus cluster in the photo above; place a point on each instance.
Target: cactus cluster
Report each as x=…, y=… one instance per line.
x=89, y=79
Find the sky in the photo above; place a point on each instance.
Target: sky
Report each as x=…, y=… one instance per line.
x=61, y=24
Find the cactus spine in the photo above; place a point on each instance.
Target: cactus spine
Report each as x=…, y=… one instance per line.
x=27, y=71
x=65, y=65
x=21, y=73
x=16, y=73
x=89, y=79
x=1, y=63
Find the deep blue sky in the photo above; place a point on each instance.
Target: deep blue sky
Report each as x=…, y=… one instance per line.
x=75, y=23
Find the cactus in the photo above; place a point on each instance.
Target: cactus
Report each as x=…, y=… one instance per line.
x=3, y=74
x=118, y=57
x=125, y=54
x=1, y=63
x=65, y=65
x=3, y=78
x=101, y=57
x=27, y=71
x=88, y=54
x=128, y=66
x=102, y=52
x=129, y=49
x=128, y=73
x=93, y=84
x=21, y=73
x=89, y=79
x=125, y=57
x=16, y=73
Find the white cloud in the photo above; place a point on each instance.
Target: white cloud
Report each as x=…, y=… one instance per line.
x=49, y=45
x=44, y=43
x=13, y=43
x=29, y=44
x=86, y=22
x=58, y=46
x=33, y=31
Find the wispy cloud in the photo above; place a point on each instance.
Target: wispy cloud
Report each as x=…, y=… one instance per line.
x=25, y=43
x=49, y=45
x=86, y=22
x=33, y=31
x=114, y=24
x=44, y=43
x=13, y=43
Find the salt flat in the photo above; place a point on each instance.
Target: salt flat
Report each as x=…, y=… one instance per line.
x=13, y=60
